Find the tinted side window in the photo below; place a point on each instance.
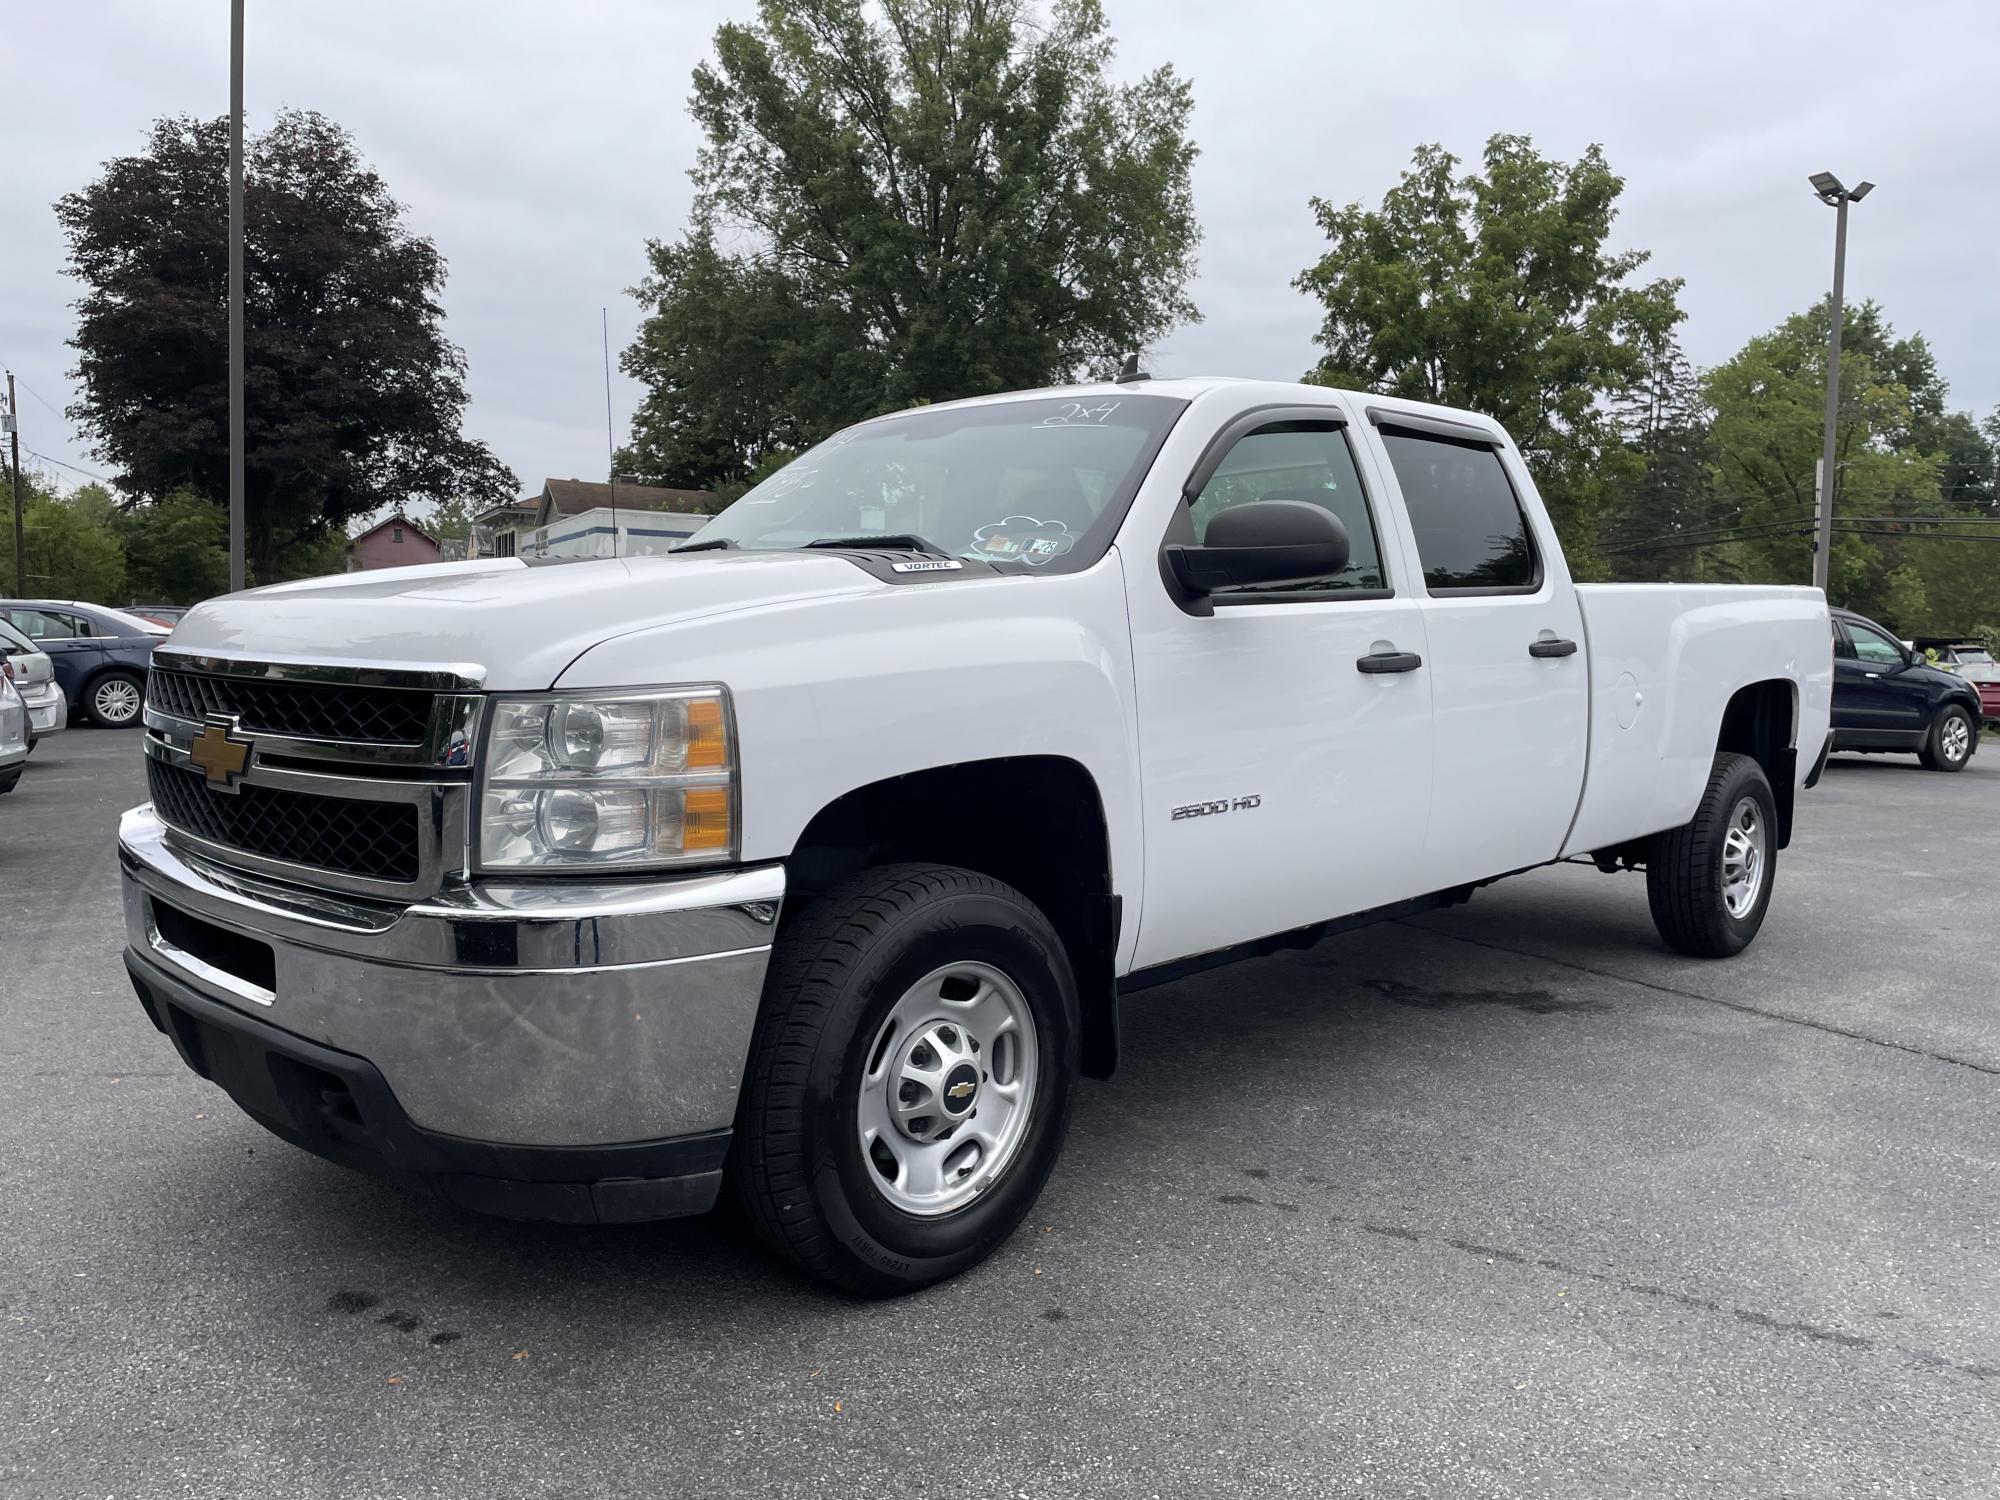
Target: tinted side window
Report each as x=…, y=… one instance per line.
x=1307, y=461
x=1468, y=523
x=40, y=626
x=1873, y=646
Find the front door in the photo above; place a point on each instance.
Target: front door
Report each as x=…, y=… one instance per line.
x=1282, y=784
x=1510, y=694
x=1877, y=700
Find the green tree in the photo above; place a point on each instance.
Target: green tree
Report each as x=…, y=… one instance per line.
x=354, y=396
x=923, y=199
x=1769, y=404
x=68, y=553
x=1663, y=421
x=176, y=549
x=1494, y=290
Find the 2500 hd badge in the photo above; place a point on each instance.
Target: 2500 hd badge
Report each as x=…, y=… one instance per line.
x=1211, y=809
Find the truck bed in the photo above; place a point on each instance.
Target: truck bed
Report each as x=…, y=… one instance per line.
x=1665, y=659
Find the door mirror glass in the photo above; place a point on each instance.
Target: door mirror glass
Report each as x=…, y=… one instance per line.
x=1262, y=542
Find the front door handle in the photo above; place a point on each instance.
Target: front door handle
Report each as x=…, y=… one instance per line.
x=1390, y=661
x=1552, y=648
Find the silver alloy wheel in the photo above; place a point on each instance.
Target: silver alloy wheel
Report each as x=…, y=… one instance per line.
x=1743, y=858
x=949, y=1090
x=1955, y=738
x=116, y=701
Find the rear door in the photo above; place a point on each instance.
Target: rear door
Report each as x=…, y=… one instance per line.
x=1283, y=783
x=1876, y=696
x=1509, y=690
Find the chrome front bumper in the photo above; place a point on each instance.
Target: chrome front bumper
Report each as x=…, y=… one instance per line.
x=528, y=1015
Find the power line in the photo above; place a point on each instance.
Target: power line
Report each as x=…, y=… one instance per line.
x=61, y=465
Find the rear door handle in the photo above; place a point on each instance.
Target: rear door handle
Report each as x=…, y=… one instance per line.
x=1390, y=661
x=1552, y=648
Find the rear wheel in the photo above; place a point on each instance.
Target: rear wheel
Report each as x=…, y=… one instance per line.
x=115, y=699
x=1950, y=744
x=909, y=1084
x=1709, y=881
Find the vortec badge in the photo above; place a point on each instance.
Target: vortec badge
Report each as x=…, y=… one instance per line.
x=942, y=565
x=220, y=756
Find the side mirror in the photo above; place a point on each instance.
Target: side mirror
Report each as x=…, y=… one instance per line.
x=1263, y=541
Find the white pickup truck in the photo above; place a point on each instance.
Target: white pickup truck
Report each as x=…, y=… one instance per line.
x=816, y=856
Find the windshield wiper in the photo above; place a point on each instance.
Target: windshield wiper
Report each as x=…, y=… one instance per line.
x=720, y=544
x=898, y=541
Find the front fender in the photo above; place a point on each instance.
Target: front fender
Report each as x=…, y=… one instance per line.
x=833, y=694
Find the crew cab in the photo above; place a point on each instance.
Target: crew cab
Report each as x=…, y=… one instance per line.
x=817, y=857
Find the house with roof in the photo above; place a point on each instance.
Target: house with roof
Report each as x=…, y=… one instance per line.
x=496, y=530
x=396, y=542
x=582, y=518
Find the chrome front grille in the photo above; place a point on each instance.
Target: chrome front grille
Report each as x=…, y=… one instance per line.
x=302, y=710
x=375, y=840
x=354, y=778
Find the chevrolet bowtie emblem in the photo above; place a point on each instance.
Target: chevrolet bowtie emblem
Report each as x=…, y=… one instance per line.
x=221, y=757
x=959, y=1090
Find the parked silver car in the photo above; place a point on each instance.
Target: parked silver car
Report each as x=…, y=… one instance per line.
x=13, y=735
x=33, y=674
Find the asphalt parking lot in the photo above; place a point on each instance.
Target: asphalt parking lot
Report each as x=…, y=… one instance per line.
x=1501, y=1201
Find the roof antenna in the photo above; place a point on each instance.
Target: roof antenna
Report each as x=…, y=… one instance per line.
x=1129, y=372
x=610, y=442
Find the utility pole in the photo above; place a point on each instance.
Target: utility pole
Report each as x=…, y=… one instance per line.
x=1831, y=191
x=236, y=296
x=20, y=544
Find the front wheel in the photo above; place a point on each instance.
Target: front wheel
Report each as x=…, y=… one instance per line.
x=909, y=1082
x=1709, y=881
x=1950, y=744
x=115, y=699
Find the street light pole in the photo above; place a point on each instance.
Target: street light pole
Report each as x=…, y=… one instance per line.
x=1831, y=191
x=236, y=296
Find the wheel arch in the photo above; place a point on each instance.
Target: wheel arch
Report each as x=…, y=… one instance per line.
x=1761, y=721
x=1036, y=822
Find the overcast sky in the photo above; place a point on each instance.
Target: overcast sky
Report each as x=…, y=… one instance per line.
x=540, y=145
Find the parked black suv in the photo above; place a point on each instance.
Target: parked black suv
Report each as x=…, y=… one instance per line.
x=1888, y=697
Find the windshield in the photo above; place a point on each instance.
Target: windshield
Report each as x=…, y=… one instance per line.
x=1976, y=657
x=1036, y=485
x=13, y=643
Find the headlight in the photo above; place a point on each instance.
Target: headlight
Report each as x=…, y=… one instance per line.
x=587, y=782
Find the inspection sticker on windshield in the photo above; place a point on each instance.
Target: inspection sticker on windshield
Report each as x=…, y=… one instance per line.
x=942, y=565
x=1023, y=539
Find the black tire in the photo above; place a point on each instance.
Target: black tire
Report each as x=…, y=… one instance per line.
x=841, y=963
x=1684, y=867
x=98, y=684
x=1935, y=755
x=8, y=780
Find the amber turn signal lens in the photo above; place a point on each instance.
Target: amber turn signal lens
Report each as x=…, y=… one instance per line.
x=707, y=735
x=705, y=818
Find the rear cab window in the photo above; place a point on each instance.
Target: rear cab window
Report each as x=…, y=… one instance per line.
x=1471, y=532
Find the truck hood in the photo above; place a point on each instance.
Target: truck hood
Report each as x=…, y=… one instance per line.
x=513, y=625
